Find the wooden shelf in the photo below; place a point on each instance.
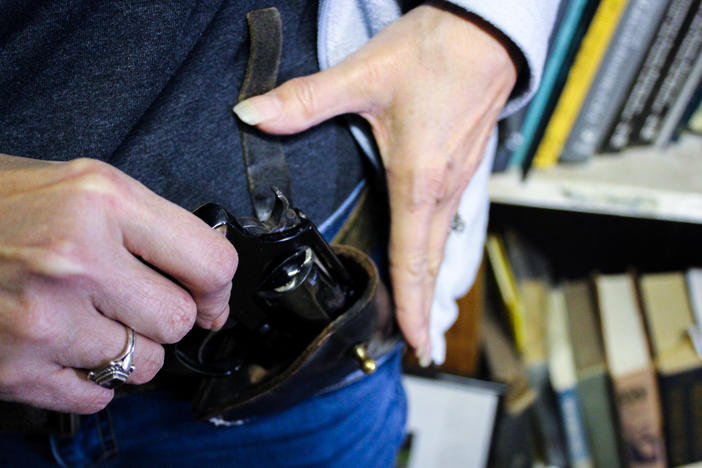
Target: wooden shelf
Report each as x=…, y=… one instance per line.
x=647, y=182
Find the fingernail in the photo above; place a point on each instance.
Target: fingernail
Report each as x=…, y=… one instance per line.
x=423, y=356
x=257, y=109
x=425, y=360
x=419, y=353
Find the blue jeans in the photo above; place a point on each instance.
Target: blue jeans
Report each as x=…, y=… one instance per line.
x=361, y=425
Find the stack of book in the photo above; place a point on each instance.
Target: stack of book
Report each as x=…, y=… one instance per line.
x=620, y=73
x=615, y=361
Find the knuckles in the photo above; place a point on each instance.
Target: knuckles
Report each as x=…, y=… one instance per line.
x=432, y=183
x=91, y=175
x=412, y=267
x=420, y=188
x=59, y=257
x=77, y=213
x=86, y=167
x=148, y=365
x=226, y=263
x=93, y=184
x=31, y=323
x=302, y=90
x=179, y=319
x=172, y=313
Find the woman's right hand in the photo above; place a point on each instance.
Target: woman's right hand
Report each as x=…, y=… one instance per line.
x=70, y=279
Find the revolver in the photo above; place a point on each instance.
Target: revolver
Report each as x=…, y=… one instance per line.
x=289, y=285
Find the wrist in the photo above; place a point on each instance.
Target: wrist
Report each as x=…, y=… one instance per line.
x=482, y=43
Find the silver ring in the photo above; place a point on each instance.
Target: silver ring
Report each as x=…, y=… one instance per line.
x=118, y=370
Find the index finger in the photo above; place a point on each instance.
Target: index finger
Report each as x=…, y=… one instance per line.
x=180, y=244
x=171, y=239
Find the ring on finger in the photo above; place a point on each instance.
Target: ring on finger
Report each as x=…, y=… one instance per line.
x=117, y=371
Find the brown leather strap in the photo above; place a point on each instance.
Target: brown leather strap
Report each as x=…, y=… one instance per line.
x=263, y=154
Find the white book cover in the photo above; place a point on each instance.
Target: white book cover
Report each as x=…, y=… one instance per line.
x=622, y=326
x=451, y=422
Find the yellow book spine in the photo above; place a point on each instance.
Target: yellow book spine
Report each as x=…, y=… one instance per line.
x=507, y=286
x=580, y=77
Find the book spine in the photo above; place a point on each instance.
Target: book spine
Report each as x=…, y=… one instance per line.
x=638, y=404
x=695, y=424
x=598, y=412
x=546, y=416
x=615, y=74
x=562, y=373
x=668, y=38
x=647, y=128
x=574, y=429
x=579, y=79
x=509, y=138
x=694, y=287
x=507, y=286
x=512, y=447
x=567, y=39
x=695, y=123
x=681, y=395
x=675, y=114
x=686, y=123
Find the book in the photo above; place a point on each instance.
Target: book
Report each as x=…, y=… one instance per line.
x=667, y=40
x=549, y=436
x=668, y=318
x=593, y=383
x=565, y=41
x=690, y=121
x=533, y=283
x=694, y=288
x=677, y=110
x=561, y=365
x=677, y=69
x=507, y=287
x=509, y=139
x=632, y=371
x=615, y=74
x=695, y=123
x=512, y=446
x=531, y=275
x=580, y=77
x=450, y=420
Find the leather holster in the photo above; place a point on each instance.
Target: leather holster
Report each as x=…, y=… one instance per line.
x=341, y=353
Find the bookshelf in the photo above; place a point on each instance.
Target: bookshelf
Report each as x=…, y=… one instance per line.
x=592, y=240
x=636, y=214
x=644, y=182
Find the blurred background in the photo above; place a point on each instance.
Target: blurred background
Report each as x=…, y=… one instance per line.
x=580, y=344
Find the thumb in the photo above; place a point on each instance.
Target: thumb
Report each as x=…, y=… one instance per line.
x=303, y=102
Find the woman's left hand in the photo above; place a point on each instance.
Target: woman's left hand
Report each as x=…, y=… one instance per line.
x=432, y=86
